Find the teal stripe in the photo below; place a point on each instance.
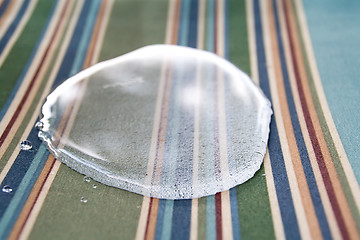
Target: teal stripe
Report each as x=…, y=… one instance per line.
x=184, y=22
x=210, y=30
x=169, y=206
x=336, y=49
x=84, y=41
x=21, y=192
x=210, y=218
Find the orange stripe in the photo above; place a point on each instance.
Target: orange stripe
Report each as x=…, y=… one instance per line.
x=152, y=219
x=339, y=194
x=294, y=151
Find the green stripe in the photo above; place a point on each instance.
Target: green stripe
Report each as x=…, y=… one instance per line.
x=21, y=51
x=325, y=129
x=253, y=199
x=115, y=210
x=202, y=218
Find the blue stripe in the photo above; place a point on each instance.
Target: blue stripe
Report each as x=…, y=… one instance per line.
x=277, y=162
x=3, y=7
x=235, y=214
x=33, y=54
x=19, y=177
x=160, y=219
x=310, y=178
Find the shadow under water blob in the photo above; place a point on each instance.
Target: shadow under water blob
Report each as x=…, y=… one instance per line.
x=162, y=121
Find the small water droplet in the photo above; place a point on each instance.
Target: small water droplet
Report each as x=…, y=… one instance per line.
x=87, y=179
x=7, y=189
x=83, y=200
x=25, y=145
x=94, y=186
x=39, y=125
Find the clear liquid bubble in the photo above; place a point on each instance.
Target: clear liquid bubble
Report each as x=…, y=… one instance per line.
x=87, y=179
x=25, y=145
x=7, y=189
x=39, y=125
x=162, y=121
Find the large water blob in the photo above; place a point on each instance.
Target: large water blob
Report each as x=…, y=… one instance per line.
x=162, y=121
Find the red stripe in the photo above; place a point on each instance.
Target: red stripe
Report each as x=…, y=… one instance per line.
x=218, y=216
x=33, y=80
x=313, y=138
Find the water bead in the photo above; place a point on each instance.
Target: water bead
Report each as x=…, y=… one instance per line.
x=25, y=145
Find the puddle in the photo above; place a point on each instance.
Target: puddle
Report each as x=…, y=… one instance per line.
x=162, y=121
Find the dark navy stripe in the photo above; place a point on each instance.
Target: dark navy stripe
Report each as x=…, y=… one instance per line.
x=3, y=7
x=310, y=178
x=282, y=187
x=181, y=219
x=9, y=32
x=193, y=24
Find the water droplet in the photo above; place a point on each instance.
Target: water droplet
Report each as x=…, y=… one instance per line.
x=83, y=200
x=87, y=179
x=7, y=189
x=25, y=145
x=94, y=186
x=39, y=126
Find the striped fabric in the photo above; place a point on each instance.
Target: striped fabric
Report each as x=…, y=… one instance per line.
x=303, y=54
